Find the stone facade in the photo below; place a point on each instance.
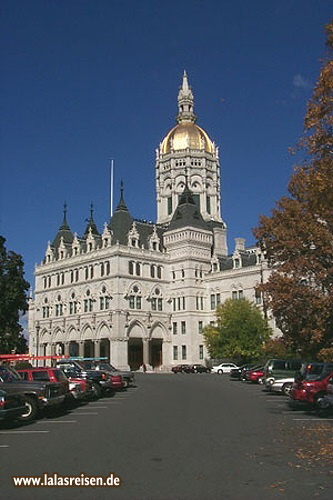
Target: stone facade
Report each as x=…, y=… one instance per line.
x=140, y=292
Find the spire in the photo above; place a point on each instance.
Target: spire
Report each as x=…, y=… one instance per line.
x=121, y=221
x=185, y=102
x=91, y=227
x=64, y=231
x=64, y=225
x=121, y=204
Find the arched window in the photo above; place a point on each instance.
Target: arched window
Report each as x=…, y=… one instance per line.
x=134, y=298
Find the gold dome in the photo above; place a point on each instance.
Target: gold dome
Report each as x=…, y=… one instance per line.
x=186, y=135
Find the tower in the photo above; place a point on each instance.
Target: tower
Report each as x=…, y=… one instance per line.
x=187, y=153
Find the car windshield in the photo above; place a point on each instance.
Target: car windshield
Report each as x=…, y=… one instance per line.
x=314, y=371
x=71, y=372
x=8, y=374
x=87, y=365
x=106, y=366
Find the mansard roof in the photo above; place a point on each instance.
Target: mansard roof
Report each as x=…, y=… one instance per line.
x=247, y=259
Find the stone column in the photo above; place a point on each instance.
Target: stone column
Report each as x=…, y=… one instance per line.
x=146, y=360
x=66, y=348
x=81, y=348
x=97, y=348
x=167, y=353
x=119, y=353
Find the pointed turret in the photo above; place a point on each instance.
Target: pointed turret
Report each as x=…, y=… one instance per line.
x=185, y=102
x=64, y=232
x=121, y=221
x=91, y=227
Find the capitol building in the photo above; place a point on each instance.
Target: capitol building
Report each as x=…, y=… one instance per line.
x=140, y=292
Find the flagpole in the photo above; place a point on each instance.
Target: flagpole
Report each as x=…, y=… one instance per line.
x=111, y=188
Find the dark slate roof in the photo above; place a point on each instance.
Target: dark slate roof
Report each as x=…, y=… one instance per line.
x=120, y=223
x=225, y=263
x=247, y=258
x=63, y=232
x=91, y=225
x=146, y=230
x=187, y=213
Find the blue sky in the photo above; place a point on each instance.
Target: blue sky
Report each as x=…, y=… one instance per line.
x=84, y=81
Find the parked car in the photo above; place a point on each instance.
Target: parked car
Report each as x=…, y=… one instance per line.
x=181, y=369
x=310, y=390
x=280, y=368
x=47, y=373
x=246, y=372
x=326, y=402
x=283, y=385
x=256, y=375
x=310, y=370
x=238, y=373
x=126, y=375
x=102, y=381
x=200, y=369
x=87, y=386
x=12, y=405
x=224, y=368
x=37, y=394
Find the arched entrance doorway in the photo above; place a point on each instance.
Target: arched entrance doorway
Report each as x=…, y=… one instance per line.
x=135, y=353
x=105, y=348
x=88, y=349
x=135, y=349
x=156, y=352
x=73, y=348
x=155, y=347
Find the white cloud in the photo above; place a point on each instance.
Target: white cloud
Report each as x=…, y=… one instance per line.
x=300, y=82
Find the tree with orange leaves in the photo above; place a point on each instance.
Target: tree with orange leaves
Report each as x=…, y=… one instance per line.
x=298, y=237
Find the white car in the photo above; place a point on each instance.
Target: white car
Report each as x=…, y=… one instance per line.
x=224, y=368
x=283, y=385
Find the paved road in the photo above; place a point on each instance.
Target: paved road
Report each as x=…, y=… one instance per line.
x=173, y=437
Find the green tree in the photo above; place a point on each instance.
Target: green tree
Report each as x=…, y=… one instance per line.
x=239, y=333
x=13, y=300
x=298, y=237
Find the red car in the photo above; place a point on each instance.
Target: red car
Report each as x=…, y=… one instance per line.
x=256, y=375
x=46, y=374
x=310, y=390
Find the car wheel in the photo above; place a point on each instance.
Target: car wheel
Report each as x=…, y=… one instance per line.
x=286, y=388
x=220, y=372
x=318, y=399
x=96, y=390
x=31, y=409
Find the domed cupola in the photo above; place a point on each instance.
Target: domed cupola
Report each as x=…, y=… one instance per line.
x=186, y=135
x=187, y=146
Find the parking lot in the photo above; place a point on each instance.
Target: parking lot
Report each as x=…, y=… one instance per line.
x=185, y=436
